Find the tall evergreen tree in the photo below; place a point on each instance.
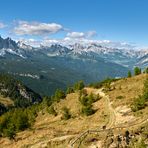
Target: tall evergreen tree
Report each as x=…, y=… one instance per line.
x=129, y=74
x=137, y=71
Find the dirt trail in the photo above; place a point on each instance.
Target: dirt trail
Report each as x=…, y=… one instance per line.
x=112, y=113
x=112, y=119
x=109, y=108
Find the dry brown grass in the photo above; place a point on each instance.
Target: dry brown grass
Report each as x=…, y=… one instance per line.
x=49, y=127
x=6, y=101
x=51, y=131
x=128, y=88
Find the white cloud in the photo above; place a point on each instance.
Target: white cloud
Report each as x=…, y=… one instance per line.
x=81, y=35
x=2, y=25
x=36, y=28
x=76, y=35
x=91, y=34
x=31, y=42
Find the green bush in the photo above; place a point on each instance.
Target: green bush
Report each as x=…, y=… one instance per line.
x=69, y=90
x=10, y=132
x=17, y=120
x=79, y=85
x=141, y=144
x=52, y=111
x=88, y=99
x=119, y=97
x=59, y=94
x=83, y=92
x=138, y=104
x=66, y=113
x=105, y=82
x=146, y=70
x=129, y=74
x=137, y=71
x=87, y=110
x=145, y=91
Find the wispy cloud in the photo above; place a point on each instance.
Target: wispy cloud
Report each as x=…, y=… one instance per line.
x=76, y=35
x=39, y=34
x=91, y=34
x=2, y=25
x=36, y=28
x=81, y=35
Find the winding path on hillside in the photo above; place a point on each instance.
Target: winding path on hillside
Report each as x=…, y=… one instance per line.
x=111, y=121
x=109, y=108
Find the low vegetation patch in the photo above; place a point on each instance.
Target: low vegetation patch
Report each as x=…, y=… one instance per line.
x=105, y=83
x=17, y=120
x=87, y=110
x=120, y=97
x=59, y=94
x=87, y=101
x=66, y=113
x=141, y=101
x=52, y=111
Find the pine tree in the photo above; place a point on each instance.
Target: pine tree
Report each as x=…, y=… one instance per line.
x=59, y=94
x=129, y=74
x=79, y=85
x=137, y=71
x=69, y=90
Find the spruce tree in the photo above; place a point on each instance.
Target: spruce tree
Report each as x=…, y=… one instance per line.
x=129, y=74
x=137, y=71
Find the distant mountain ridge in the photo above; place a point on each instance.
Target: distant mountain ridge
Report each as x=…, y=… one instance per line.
x=125, y=57
x=57, y=65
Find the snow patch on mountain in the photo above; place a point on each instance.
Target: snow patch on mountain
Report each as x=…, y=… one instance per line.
x=89, y=51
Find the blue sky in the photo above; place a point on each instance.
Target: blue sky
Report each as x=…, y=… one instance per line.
x=114, y=20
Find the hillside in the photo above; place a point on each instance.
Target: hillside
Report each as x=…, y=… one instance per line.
x=14, y=93
x=112, y=119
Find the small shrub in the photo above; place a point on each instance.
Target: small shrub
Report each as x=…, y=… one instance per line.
x=10, y=132
x=59, y=94
x=66, y=113
x=138, y=104
x=88, y=99
x=142, y=144
x=83, y=92
x=119, y=97
x=107, y=86
x=87, y=110
x=105, y=82
x=69, y=90
x=137, y=71
x=52, y=111
x=79, y=85
x=146, y=70
x=129, y=74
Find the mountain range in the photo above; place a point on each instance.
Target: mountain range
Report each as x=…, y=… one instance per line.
x=56, y=66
